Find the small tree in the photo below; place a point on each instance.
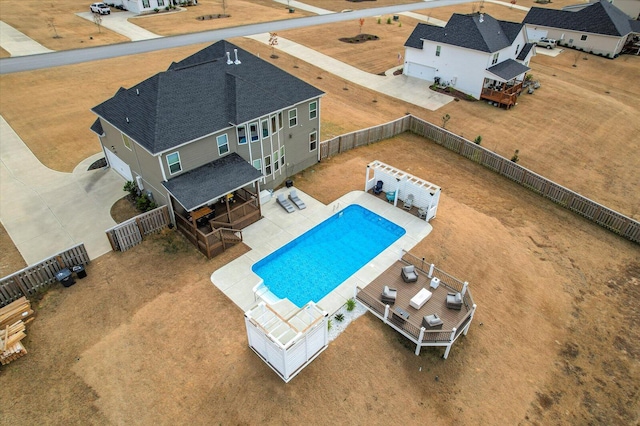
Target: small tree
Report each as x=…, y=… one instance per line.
x=361, y=24
x=478, y=140
x=224, y=7
x=516, y=157
x=273, y=42
x=97, y=18
x=445, y=120
x=51, y=24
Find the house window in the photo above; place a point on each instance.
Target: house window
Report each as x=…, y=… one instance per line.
x=313, y=110
x=494, y=60
x=265, y=128
x=258, y=164
x=127, y=141
x=438, y=50
x=276, y=163
x=173, y=161
x=280, y=120
x=242, y=135
x=145, y=4
x=253, y=130
x=293, y=117
x=583, y=38
x=517, y=48
x=267, y=165
x=160, y=2
x=223, y=144
x=274, y=126
x=282, y=156
x=313, y=141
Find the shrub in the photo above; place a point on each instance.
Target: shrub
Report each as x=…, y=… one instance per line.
x=378, y=20
x=131, y=188
x=167, y=8
x=156, y=10
x=339, y=317
x=144, y=203
x=389, y=21
x=478, y=140
x=351, y=304
x=329, y=325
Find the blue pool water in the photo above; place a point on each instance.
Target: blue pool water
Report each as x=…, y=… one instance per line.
x=315, y=263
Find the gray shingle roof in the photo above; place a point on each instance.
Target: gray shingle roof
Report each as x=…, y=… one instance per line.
x=525, y=51
x=478, y=32
x=200, y=96
x=596, y=18
x=96, y=127
x=211, y=181
x=508, y=69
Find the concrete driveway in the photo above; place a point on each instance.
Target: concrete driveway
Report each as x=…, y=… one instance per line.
x=118, y=22
x=45, y=211
x=17, y=43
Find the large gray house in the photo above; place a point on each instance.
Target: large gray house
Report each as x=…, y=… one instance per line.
x=207, y=134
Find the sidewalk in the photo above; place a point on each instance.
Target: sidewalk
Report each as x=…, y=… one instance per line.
x=119, y=22
x=45, y=211
x=18, y=44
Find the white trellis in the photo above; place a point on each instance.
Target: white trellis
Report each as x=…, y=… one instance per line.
x=425, y=194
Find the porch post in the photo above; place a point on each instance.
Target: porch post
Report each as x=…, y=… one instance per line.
x=419, y=340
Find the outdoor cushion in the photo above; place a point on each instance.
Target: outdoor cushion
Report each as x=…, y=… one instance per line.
x=454, y=301
x=432, y=321
x=388, y=295
x=409, y=274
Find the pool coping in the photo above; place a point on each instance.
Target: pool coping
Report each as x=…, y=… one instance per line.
x=277, y=228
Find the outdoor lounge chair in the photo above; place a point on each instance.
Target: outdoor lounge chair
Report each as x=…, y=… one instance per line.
x=293, y=196
x=432, y=322
x=388, y=296
x=408, y=202
x=378, y=188
x=409, y=274
x=285, y=204
x=454, y=301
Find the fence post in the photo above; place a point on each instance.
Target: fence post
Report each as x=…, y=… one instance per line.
x=431, y=270
x=112, y=241
x=386, y=313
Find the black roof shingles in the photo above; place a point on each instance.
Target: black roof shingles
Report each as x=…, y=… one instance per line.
x=201, y=95
x=525, y=51
x=596, y=18
x=476, y=31
x=508, y=69
x=211, y=181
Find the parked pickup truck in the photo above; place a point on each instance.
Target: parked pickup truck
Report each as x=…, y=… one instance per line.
x=549, y=43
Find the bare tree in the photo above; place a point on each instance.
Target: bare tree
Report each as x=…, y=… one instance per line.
x=445, y=120
x=224, y=7
x=361, y=24
x=273, y=42
x=51, y=24
x=97, y=18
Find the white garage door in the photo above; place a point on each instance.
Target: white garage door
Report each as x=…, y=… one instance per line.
x=420, y=71
x=118, y=165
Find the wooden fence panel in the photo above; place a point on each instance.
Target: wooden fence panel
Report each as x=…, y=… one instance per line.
x=512, y=171
x=492, y=161
x=41, y=275
x=130, y=233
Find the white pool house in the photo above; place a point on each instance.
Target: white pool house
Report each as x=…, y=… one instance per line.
x=289, y=344
x=399, y=186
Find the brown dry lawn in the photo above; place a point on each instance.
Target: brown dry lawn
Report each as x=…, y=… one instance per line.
x=146, y=338
x=241, y=13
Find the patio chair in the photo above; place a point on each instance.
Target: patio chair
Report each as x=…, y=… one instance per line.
x=391, y=195
x=388, y=296
x=293, y=196
x=408, y=203
x=454, y=301
x=378, y=188
x=432, y=322
x=285, y=204
x=409, y=274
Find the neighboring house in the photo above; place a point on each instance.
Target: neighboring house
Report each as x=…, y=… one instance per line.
x=475, y=54
x=630, y=7
x=599, y=28
x=210, y=131
x=148, y=6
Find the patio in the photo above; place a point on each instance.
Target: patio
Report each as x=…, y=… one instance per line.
x=277, y=228
x=455, y=322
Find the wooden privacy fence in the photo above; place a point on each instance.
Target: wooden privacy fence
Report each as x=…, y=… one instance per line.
x=41, y=275
x=130, y=232
x=601, y=215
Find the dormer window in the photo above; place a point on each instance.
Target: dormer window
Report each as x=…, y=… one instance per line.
x=494, y=60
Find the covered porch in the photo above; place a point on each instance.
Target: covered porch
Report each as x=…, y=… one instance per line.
x=505, y=83
x=213, y=203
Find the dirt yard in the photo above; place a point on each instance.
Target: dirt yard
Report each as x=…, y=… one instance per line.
x=146, y=338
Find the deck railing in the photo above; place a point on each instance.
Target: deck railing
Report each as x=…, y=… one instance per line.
x=570, y=200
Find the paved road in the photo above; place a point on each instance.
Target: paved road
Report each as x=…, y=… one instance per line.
x=68, y=57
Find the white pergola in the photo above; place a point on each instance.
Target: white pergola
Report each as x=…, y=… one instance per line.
x=425, y=194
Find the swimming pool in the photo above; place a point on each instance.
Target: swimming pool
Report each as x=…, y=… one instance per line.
x=311, y=266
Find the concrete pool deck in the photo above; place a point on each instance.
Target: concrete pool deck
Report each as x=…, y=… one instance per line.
x=277, y=228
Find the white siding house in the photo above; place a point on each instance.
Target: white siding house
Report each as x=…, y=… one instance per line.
x=472, y=53
x=599, y=28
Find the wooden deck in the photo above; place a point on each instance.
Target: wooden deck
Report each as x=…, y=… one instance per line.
x=383, y=196
x=436, y=305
